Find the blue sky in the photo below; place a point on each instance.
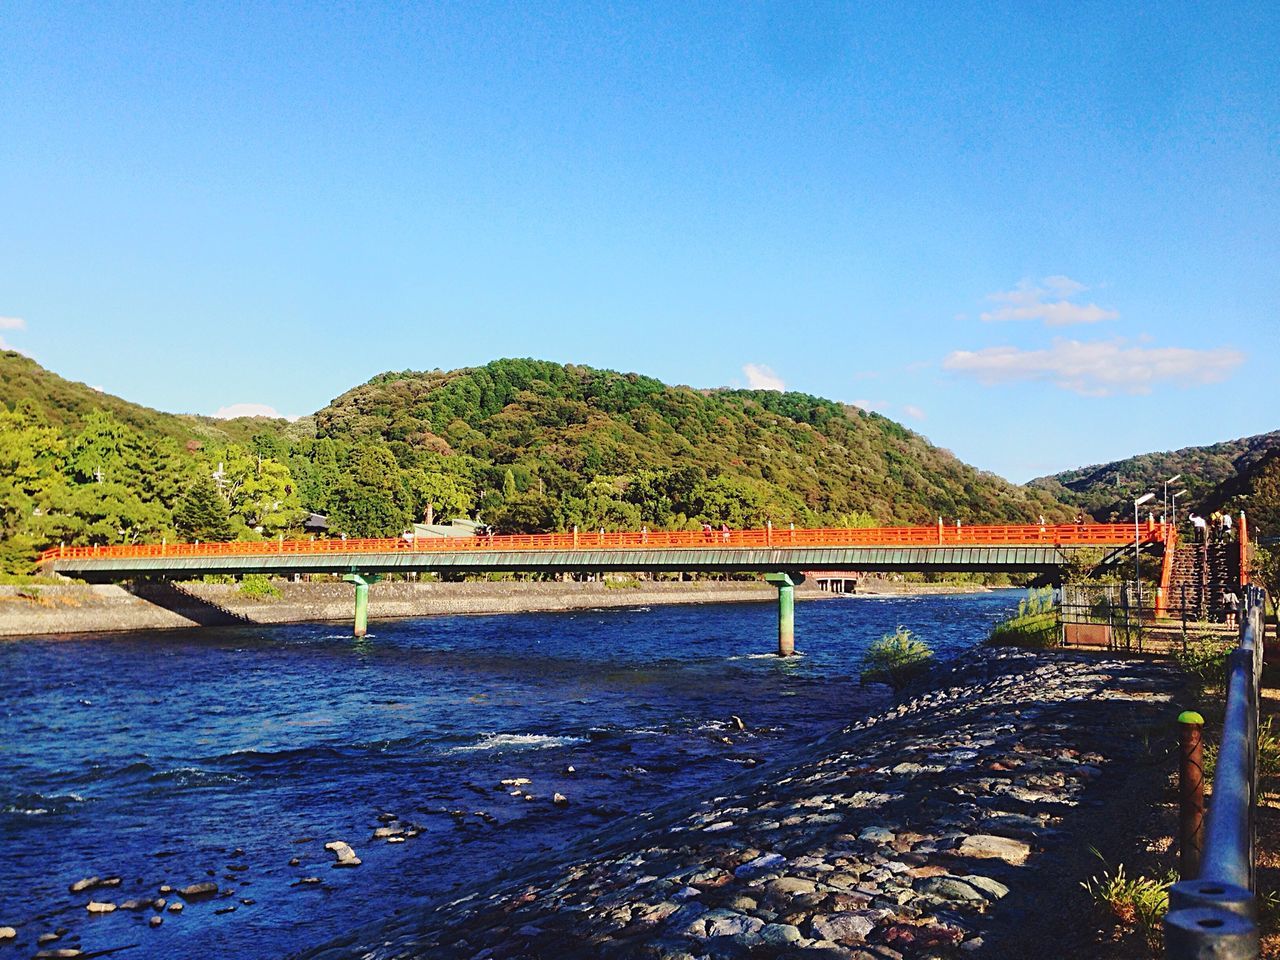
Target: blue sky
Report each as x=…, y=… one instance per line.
x=1041, y=234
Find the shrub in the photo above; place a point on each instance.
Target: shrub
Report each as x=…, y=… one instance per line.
x=1205, y=661
x=258, y=586
x=896, y=659
x=1137, y=904
x=611, y=583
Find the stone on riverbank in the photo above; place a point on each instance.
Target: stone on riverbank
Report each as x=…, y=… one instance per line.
x=343, y=854
x=984, y=846
x=90, y=883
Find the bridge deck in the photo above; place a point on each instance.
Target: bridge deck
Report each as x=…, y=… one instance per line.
x=1022, y=548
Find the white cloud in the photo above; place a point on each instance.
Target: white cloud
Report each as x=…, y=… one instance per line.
x=249, y=410
x=912, y=411
x=12, y=323
x=1096, y=369
x=1031, y=301
x=760, y=377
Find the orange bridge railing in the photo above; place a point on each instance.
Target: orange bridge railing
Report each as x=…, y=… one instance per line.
x=1010, y=535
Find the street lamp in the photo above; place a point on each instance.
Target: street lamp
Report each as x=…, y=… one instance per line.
x=1137, y=569
x=1176, y=476
x=1173, y=504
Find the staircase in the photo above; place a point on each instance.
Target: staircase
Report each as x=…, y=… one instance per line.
x=1202, y=573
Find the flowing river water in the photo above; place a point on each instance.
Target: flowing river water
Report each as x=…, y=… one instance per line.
x=225, y=754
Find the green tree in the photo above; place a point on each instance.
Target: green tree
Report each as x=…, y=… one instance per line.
x=202, y=513
x=370, y=500
x=449, y=494
x=260, y=491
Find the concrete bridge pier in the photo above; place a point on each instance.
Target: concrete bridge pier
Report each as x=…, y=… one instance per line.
x=362, y=581
x=786, y=584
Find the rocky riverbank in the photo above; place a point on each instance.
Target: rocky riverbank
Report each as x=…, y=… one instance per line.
x=955, y=824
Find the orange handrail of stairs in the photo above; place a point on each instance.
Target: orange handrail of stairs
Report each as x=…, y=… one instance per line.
x=1166, y=571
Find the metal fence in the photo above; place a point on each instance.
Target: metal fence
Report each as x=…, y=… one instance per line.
x=1216, y=914
x=1111, y=608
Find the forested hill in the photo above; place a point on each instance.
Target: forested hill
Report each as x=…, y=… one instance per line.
x=596, y=447
x=67, y=405
x=1210, y=474
x=524, y=445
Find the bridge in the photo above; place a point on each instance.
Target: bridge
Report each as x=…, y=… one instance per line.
x=781, y=554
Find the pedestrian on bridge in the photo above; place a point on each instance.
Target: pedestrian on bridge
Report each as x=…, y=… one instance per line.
x=1202, y=528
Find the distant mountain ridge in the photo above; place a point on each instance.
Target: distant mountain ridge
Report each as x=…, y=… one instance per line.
x=1208, y=473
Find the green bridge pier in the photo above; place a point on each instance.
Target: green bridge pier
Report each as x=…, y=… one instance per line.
x=786, y=584
x=362, y=581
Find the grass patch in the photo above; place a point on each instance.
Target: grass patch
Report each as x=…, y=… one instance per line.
x=1034, y=625
x=1134, y=904
x=1205, y=662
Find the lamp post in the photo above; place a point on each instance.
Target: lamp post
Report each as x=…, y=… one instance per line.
x=1137, y=569
x=1173, y=504
x=1175, y=477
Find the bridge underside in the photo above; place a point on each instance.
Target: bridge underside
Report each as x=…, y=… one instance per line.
x=1024, y=559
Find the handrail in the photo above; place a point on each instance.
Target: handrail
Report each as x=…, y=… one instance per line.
x=1166, y=571
x=1215, y=914
x=1244, y=551
x=1057, y=535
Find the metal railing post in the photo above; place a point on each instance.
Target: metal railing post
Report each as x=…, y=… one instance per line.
x=1190, y=794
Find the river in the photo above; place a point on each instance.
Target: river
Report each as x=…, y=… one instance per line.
x=224, y=754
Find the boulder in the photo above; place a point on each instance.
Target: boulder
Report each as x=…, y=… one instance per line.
x=94, y=906
x=8, y=933
x=784, y=888
x=343, y=854
x=199, y=891
x=779, y=935
x=850, y=927
x=729, y=923
x=986, y=846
